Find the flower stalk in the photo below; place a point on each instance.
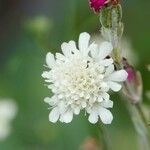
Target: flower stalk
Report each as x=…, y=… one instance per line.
x=140, y=125
x=112, y=30
x=105, y=138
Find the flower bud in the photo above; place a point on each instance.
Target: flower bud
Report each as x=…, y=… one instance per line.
x=111, y=16
x=133, y=86
x=97, y=5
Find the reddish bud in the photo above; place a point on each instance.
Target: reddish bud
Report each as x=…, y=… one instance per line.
x=97, y=5
x=133, y=86
x=131, y=74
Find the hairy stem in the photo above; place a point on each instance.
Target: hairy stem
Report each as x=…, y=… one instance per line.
x=140, y=126
x=142, y=115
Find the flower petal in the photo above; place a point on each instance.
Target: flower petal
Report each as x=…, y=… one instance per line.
x=107, y=103
x=45, y=74
x=105, y=115
x=68, y=48
x=50, y=60
x=106, y=62
x=114, y=86
x=93, y=117
x=47, y=100
x=72, y=46
x=118, y=76
x=105, y=96
x=67, y=116
x=105, y=50
x=100, y=98
x=109, y=70
x=54, y=115
x=60, y=57
x=105, y=87
x=51, y=101
x=76, y=110
x=84, y=42
x=94, y=50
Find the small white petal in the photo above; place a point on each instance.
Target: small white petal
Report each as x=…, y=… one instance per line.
x=45, y=74
x=84, y=42
x=105, y=115
x=104, y=86
x=47, y=99
x=51, y=101
x=66, y=49
x=114, y=86
x=62, y=107
x=54, y=115
x=60, y=57
x=67, y=116
x=50, y=60
x=87, y=96
x=93, y=117
x=60, y=96
x=119, y=76
x=73, y=47
x=83, y=104
x=105, y=50
x=105, y=95
x=81, y=94
x=106, y=62
x=100, y=99
x=76, y=111
x=92, y=99
x=109, y=70
x=107, y=103
x=94, y=50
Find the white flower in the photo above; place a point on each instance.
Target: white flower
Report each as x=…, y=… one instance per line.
x=80, y=79
x=8, y=110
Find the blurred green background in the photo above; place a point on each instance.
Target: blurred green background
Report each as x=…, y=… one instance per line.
x=31, y=28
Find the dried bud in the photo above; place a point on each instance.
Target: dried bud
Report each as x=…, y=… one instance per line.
x=133, y=87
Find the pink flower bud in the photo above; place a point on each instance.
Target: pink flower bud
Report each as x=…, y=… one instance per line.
x=133, y=87
x=97, y=5
x=131, y=74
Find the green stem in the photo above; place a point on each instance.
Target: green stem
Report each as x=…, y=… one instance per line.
x=116, y=55
x=139, y=121
x=142, y=115
x=104, y=137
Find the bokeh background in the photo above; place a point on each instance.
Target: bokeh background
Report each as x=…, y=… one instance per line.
x=31, y=28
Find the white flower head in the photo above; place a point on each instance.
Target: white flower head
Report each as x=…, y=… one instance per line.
x=80, y=78
x=8, y=110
